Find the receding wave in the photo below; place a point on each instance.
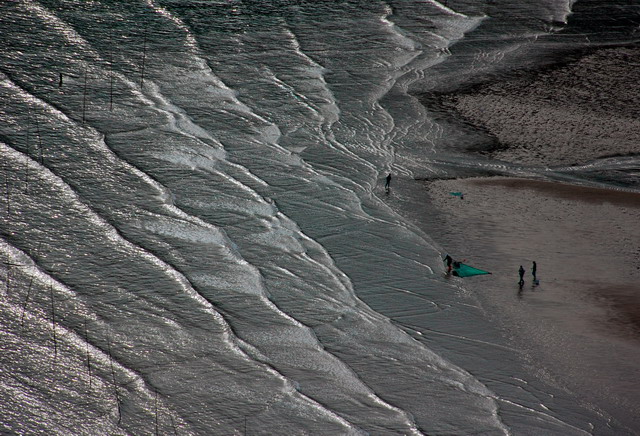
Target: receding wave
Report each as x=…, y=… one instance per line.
x=195, y=237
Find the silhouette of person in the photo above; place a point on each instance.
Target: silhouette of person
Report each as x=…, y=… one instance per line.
x=533, y=270
x=449, y=261
x=388, y=182
x=521, y=272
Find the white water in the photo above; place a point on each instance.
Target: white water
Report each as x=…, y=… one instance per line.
x=196, y=237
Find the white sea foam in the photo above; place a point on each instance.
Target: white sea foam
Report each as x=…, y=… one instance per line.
x=224, y=228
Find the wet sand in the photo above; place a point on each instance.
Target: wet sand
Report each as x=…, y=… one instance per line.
x=581, y=324
x=564, y=115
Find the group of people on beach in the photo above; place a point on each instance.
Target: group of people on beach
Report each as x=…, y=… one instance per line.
x=521, y=272
x=454, y=264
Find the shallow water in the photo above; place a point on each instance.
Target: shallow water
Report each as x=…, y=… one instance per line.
x=577, y=320
x=194, y=230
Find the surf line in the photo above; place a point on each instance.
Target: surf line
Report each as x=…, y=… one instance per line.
x=420, y=331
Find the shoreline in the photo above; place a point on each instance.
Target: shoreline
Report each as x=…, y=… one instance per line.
x=566, y=113
x=581, y=323
x=579, y=328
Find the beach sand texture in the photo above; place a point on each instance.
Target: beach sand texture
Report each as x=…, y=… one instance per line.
x=580, y=111
x=584, y=316
x=580, y=326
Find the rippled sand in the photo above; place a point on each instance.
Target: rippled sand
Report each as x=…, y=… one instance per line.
x=564, y=115
x=580, y=324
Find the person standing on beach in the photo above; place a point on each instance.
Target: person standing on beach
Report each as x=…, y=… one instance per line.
x=388, y=182
x=533, y=270
x=449, y=261
x=521, y=272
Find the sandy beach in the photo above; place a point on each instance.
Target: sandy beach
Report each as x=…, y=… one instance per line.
x=563, y=115
x=581, y=324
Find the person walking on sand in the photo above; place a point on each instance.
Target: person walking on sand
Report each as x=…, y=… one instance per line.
x=388, y=182
x=534, y=267
x=521, y=272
